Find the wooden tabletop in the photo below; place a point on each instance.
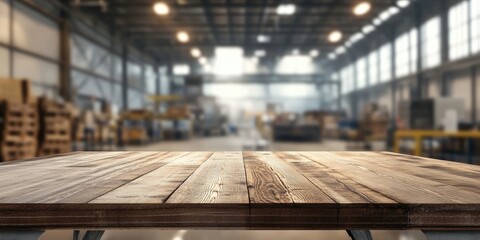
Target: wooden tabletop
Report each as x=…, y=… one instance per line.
x=246, y=190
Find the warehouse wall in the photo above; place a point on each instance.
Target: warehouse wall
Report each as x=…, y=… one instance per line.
x=30, y=48
x=446, y=51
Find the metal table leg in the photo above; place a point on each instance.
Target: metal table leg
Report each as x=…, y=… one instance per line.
x=449, y=235
x=89, y=235
x=20, y=234
x=360, y=234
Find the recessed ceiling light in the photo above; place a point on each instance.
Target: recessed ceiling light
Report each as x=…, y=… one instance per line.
x=403, y=3
x=340, y=50
x=377, y=21
x=332, y=56
x=393, y=10
x=286, y=9
x=368, y=29
x=314, y=53
x=335, y=36
x=362, y=8
x=196, y=52
x=385, y=15
x=202, y=60
x=161, y=8
x=260, y=53
x=183, y=36
x=263, y=38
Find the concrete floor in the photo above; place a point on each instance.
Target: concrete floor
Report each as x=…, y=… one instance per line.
x=235, y=144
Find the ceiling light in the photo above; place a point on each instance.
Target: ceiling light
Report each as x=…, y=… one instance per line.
x=340, y=50
x=260, y=53
x=332, y=56
x=335, y=36
x=377, y=21
x=286, y=9
x=196, y=52
x=295, y=51
x=314, y=53
x=161, y=8
x=385, y=15
x=368, y=29
x=183, y=36
x=403, y=3
x=263, y=38
x=362, y=8
x=393, y=10
x=207, y=68
x=202, y=60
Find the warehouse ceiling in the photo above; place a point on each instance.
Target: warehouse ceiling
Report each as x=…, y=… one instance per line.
x=211, y=23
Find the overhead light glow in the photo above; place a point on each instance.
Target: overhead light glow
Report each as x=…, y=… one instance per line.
x=335, y=36
x=295, y=51
x=260, y=53
x=196, y=52
x=403, y=3
x=314, y=53
x=385, y=15
x=377, y=21
x=183, y=36
x=393, y=10
x=368, y=29
x=286, y=9
x=263, y=39
x=362, y=8
x=161, y=8
x=202, y=60
x=332, y=56
x=340, y=50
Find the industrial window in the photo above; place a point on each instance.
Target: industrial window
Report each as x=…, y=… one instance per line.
x=386, y=63
x=406, y=53
x=458, y=31
x=228, y=61
x=347, y=79
x=296, y=64
x=475, y=25
x=373, y=68
x=431, y=43
x=361, y=73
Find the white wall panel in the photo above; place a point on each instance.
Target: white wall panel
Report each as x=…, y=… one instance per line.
x=35, y=69
x=135, y=75
x=293, y=90
x=235, y=90
x=35, y=32
x=89, y=56
x=150, y=80
x=460, y=88
x=4, y=62
x=4, y=21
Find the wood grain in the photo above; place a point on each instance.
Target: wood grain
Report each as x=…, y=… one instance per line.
x=235, y=190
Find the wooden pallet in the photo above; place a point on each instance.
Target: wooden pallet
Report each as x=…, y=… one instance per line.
x=55, y=127
x=19, y=131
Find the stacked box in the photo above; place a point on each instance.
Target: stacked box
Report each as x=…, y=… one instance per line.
x=19, y=130
x=55, y=127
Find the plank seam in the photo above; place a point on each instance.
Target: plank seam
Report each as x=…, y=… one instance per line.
x=89, y=201
x=179, y=185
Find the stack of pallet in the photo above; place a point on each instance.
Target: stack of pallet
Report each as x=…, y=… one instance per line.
x=19, y=120
x=55, y=127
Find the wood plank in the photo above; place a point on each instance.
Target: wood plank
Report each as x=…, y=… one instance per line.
x=338, y=187
x=75, y=179
x=221, y=179
x=274, y=185
x=400, y=187
x=158, y=185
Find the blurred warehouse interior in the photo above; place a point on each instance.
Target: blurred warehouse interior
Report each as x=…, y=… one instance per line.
x=171, y=75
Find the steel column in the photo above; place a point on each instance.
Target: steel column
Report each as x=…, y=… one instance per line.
x=474, y=97
x=360, y=234
x=65, y=58
x=124, y=76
